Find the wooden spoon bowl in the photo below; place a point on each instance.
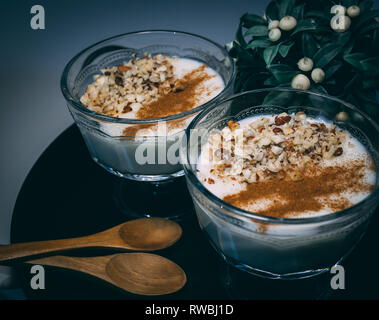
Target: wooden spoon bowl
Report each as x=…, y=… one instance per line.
x=138, y=273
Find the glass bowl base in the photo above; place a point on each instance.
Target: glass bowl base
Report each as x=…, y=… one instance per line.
x=165, y=199
x=242, y=285
x=156, y=178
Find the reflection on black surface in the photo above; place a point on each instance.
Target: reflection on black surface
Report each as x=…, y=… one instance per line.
x=67, y=195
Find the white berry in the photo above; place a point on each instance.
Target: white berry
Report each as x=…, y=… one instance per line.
x=305, y=64
x=300, y=81
x=274, y=34
x=273, y=24
x=353, y=11
x=287, y=23
x=318, y=75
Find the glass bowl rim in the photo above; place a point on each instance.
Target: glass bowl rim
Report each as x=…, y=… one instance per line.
x=256, y=216
x=79, y=107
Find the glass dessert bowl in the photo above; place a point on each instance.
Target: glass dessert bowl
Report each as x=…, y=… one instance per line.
x=283, y=181
x=132, y=97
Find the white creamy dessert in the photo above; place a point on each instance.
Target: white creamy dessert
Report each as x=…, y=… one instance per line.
x=151, y=87
x=286, y=155
x=146, y=88
x=283, y=166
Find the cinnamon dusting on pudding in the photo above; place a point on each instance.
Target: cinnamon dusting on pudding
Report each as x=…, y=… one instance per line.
x=149, y=87
x=182, y=97
x=286, y=166
x=320, y=187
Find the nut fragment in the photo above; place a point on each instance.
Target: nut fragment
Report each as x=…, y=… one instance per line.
x=282, y=120
x=139, y=80
x=119, y=81
x=276, y=150
x=123, y=68
x=338, y=152
x=233, y=125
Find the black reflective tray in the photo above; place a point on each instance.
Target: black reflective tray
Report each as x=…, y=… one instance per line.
x=67, y=195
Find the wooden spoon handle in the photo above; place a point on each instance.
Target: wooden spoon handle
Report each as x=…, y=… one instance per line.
x=94, y=266
x=26, y=249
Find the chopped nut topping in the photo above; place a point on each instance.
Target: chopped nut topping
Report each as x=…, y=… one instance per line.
x=338, y=152
x=260, y=150
x=280, y=120
x=122, y=89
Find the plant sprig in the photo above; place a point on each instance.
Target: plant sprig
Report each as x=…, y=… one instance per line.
x=343, y=51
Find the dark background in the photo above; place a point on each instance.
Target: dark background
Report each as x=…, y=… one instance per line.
x=32, y=109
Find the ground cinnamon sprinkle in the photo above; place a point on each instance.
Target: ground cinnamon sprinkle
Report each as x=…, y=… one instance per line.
x=182, y=98
x=321, y=187
x=131, y=131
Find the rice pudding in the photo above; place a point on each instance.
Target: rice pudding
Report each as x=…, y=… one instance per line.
x=286, y=166
x=151, y=87
x=146, y=88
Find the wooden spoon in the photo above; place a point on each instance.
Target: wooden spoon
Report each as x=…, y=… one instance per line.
x=138, y=273
x=146, y=234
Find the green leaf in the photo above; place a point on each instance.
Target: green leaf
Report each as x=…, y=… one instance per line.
x=365, y=5
x=298, y=12
x=239, y=37
x=280, y=67
x=318, y=15
x=366, y=100
x=272, y=11
x=375, y=40
x=309, y=45
x=259, y=43
x=330, y=81
x=278, y=97
x=355, y=59
x=244, y=56
x=307, y=25
x=348, y=3
x=332, y=69
x=248, y=82
x=240, y=80
x=318, y=88
x=371, y=65
x=285, y=7
x=270, y=53
x=363, y=19
x=341, y=38
x=347, y=49
x=370, y=83
x=250, y=20
x=369, y=27
x=271, y=82
x=350, y=84
x=326, y=54
x=284, y=98
x=257, y=31
x=285, y=48
x=282, y=72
